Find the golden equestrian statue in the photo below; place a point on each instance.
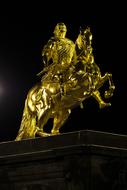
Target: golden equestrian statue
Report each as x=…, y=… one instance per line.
x=69, y=77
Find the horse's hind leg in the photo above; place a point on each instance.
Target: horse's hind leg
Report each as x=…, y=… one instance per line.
x=42, y=122
x=44, y=111
x=59, y=120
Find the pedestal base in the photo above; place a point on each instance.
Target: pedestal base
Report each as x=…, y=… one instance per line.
x=83, y=160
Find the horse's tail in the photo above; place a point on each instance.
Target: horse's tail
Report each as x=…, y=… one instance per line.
x=28, y=124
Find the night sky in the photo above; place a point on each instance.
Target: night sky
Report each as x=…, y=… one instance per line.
x=24, y=30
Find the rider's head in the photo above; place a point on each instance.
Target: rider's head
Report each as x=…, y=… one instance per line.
x=60, y=30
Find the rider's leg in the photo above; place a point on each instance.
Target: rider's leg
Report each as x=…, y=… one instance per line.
x=97, y=96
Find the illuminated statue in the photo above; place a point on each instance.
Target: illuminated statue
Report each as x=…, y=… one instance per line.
x=69, y=77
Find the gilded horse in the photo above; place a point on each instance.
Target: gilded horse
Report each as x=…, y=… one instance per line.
x=50, y=99
x=85, y=59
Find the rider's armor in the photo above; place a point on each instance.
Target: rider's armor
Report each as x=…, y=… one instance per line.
x=61, y=53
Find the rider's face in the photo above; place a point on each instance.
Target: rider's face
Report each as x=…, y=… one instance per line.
x=61, y=34
x=61, y=31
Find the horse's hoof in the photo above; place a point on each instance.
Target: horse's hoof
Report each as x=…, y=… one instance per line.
x=113, y=87
x=103, y=105
x=108, y=94
x=43, y=134
x=55, y=132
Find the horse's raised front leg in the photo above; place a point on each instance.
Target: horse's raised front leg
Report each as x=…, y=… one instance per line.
x=97, y=96
x=59, y=120
x=108, y=76
x=109, y=93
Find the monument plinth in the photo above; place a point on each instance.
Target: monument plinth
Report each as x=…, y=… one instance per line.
x=86, y=159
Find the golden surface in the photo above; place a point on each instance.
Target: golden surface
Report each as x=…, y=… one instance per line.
x=70, y=76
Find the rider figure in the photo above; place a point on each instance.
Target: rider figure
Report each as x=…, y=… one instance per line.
x=59, y=54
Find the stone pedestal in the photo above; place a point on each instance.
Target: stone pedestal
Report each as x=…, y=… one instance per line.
x=82, y=160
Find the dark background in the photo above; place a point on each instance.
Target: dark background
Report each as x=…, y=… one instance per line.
x=25, y=29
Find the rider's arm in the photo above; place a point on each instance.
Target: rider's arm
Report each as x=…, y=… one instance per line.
x=47, y=51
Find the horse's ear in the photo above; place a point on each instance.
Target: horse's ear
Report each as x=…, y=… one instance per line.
x=88, y=28
x=80, y=29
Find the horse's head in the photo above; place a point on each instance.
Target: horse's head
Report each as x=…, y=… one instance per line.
x=84, y=39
